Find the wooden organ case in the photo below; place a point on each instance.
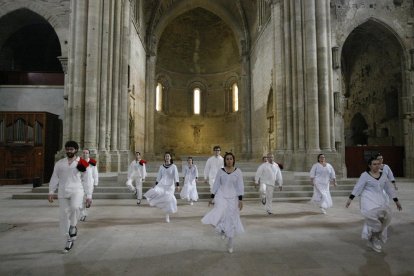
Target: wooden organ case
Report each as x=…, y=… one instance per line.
x=28, y=144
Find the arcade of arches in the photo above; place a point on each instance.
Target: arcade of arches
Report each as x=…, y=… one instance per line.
x=294, y=77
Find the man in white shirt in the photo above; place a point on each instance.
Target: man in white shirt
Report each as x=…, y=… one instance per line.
x=213, y=165
x=268, y=174
x=72, y=177
x=95, y=178
x=137, y=172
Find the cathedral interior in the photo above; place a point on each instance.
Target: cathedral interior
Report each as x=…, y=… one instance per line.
x=291, y=77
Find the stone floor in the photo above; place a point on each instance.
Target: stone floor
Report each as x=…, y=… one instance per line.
x=120, y=238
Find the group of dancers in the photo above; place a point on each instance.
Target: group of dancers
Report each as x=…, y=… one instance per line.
x=74, y=178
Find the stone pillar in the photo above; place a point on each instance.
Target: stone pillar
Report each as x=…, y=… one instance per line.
x=245, y=104
x=108, y=13
x=278, y=78
x=92, y=72
x=106, y=76
x=124, y=95
x=299, y=77
x=77, y=95
x=150, y=85
x=64, y=63
x=288, y=89
x=324, y=91
x=116, y=76
x=116, y=86
x=311, y=76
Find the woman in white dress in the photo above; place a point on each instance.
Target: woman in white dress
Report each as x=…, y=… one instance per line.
x=386, y=170
x=162, y=194
x=374, y=204
x=190, y=174
x=322, y=174
x=228, y=191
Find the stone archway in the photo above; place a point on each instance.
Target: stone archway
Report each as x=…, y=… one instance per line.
x=372, y=75
x=197, y=49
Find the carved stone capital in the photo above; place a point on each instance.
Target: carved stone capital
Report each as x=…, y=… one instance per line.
x=64, y=63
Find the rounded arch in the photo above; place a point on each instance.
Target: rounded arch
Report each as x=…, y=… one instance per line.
x=156, y=29
x=47, y=14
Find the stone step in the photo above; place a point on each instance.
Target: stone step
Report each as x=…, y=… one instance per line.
x=204, y=196
x=200, y=188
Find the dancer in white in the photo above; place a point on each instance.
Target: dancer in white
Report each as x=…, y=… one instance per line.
x=72, y=178
x=322, y=174
x=137, y=172
x=228, y=191
x=190, y=173
x=268, y=175
x=95, y=180
x=162, y=195
x=386, y=170
x=213, y=165
x=374, y=204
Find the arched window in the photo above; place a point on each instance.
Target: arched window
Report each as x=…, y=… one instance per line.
x=235, y=97
x=196, y=101
x=158, y=98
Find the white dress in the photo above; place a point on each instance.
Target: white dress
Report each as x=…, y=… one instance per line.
x=322, y=176
x=225, y=215
x=189, y=190
x=374, y=204
x=162, y=195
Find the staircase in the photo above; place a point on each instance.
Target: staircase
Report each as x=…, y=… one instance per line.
x=296, y=185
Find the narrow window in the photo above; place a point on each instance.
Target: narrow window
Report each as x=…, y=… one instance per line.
x=158, y=98
x=196, y=97
x=235, y=97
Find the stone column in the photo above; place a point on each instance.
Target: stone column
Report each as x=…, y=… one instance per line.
x=150, y=85
x=245, y=104
x=92, y=72
x=116, y=75
x=64, y=63
x=278, y=78
x=116, y=85
x=288, y=89
x=299, y=76
x=324, y=91
x=105, y=96
x=124, y=95
x=311, y=76
x=77, y=95
x=106, y=76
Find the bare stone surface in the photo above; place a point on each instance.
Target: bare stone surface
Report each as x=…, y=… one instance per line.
x=120, y=238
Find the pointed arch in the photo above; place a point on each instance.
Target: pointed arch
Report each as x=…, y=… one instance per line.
x=58, y=22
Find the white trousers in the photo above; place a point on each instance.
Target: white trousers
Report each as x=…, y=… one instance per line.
x=267, y=192
x=138, y=186
x=69, y=211
x=211, y=183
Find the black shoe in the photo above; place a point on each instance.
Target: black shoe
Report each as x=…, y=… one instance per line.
x=83, y=218
x=69, y=245
x=73, y=231
x=139, y=202
x=264, y=201
x=269, y=213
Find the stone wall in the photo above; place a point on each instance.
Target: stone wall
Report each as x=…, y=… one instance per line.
x=32, y=98
x=261, y=66
x=177, y=129
x=137, y=92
